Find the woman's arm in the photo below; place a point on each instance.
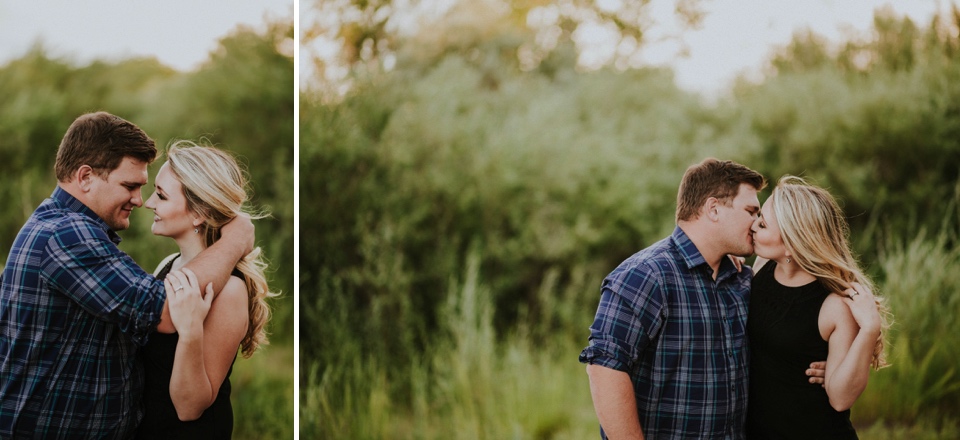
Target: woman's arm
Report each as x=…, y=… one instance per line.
x=851, y=326
x=208, y=343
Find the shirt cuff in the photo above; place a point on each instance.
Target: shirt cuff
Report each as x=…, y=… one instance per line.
x=149, y=311
x=599, y=353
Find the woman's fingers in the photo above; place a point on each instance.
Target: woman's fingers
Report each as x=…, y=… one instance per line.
x=179, y=281
x=188, y=306
x=168, y=286
x=863, y=306
x=208, y=297
x=861, y=289
x=184, y=281
x=190, y=276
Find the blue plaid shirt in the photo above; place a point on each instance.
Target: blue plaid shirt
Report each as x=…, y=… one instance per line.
x=73, y=309
x=681, y=336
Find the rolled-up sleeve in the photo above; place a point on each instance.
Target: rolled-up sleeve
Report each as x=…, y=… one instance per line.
x=629, y=316
x=88, y=268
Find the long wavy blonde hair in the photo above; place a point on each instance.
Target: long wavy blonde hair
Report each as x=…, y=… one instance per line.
x=215, y=187
x=814, y=228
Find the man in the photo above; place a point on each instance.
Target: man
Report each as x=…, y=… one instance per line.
x=73, y=307
x=668, y=349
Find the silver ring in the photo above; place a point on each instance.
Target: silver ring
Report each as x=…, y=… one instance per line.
x=178, y=288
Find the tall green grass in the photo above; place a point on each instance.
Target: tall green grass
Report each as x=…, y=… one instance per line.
x=471, y=385
x=922, y=286
x=262, y=394
x=526, y=384
x=926, y=428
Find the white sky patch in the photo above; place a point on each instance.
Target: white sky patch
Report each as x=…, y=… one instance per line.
x=180, y=33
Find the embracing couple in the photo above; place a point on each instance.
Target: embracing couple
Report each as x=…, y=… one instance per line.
x=684, y=337
x=91, y=345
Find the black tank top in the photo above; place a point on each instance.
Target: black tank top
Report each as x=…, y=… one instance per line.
x=784, y=339
x=160, y=419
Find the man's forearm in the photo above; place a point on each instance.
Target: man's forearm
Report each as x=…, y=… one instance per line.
x=615, y=403
x=215, y=263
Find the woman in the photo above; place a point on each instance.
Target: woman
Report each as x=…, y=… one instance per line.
x=187, y=373
x=809, y=301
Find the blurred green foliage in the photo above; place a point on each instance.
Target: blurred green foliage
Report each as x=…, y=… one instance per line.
x=241, y=99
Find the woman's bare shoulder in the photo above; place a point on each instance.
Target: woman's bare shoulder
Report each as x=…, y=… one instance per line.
x=234, y=292
x=835, y=314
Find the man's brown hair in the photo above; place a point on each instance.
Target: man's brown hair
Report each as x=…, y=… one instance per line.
x=713, y=178
x=101, y=140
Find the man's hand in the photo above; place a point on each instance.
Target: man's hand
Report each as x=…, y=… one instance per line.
x=242, y=231
x=737, y=261
x=817, y=371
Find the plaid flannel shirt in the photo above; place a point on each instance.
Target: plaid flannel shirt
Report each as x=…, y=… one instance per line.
x=73, y=309
x=681, y=337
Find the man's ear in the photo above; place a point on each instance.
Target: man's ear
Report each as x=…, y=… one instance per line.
x=711, y=208
x=84, y=177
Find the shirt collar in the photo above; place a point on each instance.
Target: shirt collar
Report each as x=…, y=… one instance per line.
x=66, y=200
x=688, y=251
x=692, y=257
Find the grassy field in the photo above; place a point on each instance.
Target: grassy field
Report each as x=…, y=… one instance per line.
x=517, y=386
x=262, y=394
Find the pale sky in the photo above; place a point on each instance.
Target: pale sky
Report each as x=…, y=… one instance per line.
x=180, y=33
x=735, y=38
x=737, y=35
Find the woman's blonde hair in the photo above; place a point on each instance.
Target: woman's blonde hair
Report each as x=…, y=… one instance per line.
x=813, y=227
x=215, y=187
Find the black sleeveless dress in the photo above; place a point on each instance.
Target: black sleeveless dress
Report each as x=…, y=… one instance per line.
x=160, y=419
x=784, y=340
